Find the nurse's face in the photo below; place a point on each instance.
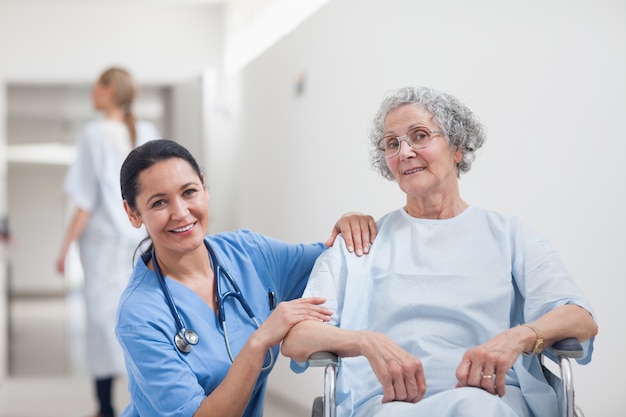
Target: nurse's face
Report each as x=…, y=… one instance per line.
x=102, y=96
x=173, y=206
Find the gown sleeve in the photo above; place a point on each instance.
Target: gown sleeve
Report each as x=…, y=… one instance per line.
x=542, y=279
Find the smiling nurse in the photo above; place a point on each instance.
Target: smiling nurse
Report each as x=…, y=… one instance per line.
x=197, y=322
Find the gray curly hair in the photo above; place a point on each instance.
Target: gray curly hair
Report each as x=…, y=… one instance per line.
x=462, y=129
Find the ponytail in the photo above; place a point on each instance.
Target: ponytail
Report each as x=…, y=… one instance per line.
x=129, y=121
x=125, y=92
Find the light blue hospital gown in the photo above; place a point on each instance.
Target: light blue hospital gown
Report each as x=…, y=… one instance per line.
x=107, y=243
x=164, y=382
x=437, y=288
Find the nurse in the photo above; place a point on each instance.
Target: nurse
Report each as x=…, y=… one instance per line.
x=106, y=242
x=203, y=315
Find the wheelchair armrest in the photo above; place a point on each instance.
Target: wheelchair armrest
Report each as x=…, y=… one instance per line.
x=323, y=359
x=325, y=406
x=569, y=348
x=561, y=353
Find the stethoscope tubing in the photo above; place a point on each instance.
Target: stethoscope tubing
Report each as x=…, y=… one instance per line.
x=166, y=291
x=186, y=338
x=235, y=293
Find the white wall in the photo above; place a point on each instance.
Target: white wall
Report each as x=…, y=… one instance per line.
x=3, y=252
x=69, y=40
x=546, y=78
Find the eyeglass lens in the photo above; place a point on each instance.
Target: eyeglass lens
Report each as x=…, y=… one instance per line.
x=416, y=138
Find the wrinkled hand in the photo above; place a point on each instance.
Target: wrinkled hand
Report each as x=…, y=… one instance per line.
x=485, y=366
x=358, y=231
x=289, y=313
x=401, y=374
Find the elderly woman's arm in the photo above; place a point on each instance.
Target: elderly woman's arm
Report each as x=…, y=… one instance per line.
x=562, y=322
x=485, y=366
x=400, y=374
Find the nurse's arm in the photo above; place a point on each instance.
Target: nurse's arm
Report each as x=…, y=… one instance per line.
x=232, y=395
x=400, y=374
x=75, y=229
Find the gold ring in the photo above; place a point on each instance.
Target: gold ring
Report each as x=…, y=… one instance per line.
x=487, y=376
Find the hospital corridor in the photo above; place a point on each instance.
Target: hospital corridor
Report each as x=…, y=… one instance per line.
x=277, y=103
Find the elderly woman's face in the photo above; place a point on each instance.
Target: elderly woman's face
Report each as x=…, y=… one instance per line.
x=428, y=169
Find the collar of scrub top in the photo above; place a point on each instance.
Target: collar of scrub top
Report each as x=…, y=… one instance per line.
x=185, y=338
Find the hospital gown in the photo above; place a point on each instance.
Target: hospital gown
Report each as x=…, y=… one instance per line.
x=437, y=288
x=165, y=382
x=108, y=241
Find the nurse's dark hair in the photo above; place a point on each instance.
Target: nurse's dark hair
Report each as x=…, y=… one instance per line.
x=144, y=157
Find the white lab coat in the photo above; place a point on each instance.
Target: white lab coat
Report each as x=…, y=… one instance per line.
x=108, y=242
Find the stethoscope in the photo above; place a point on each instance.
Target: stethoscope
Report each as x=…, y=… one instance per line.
x=186, y=338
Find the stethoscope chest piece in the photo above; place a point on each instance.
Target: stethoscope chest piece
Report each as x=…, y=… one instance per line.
x=185, y=339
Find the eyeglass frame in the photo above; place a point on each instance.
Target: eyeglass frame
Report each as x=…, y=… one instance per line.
x=405, y=138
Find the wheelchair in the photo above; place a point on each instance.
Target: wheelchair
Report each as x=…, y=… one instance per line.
x=560, y=353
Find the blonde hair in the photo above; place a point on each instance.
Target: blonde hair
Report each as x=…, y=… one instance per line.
x=125, y=92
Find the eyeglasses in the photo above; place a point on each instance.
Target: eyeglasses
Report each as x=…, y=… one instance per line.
x=417, y=138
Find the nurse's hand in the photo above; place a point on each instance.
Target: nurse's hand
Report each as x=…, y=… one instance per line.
x=400, y=373
x=60, y=264
x=485, y=366
x=289, y=313
x=358, y=231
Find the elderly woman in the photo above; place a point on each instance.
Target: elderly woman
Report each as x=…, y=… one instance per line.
x=446, y=315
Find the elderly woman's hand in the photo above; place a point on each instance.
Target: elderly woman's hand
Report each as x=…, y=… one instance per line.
x=485, y=366
x=358, y=231
x=400, y=373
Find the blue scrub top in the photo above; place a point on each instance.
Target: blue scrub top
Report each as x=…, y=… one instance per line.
x=165, y=382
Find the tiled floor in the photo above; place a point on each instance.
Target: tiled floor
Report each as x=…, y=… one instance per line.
x=47, y=364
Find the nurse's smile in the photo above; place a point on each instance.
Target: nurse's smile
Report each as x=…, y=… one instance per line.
x=184, y=228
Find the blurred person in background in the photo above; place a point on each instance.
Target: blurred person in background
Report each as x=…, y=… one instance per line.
x=106, y=242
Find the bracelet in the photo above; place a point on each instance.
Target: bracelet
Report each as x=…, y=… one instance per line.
x=538, y=343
